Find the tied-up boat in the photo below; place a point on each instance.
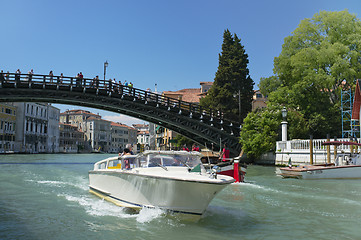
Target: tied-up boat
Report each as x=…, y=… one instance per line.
x=345, y=166
x=229, y=166
x=175, y=181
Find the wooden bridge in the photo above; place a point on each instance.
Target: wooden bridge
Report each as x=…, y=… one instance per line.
x=204, y=126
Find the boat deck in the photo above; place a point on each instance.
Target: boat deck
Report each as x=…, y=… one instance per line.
x=296, y=172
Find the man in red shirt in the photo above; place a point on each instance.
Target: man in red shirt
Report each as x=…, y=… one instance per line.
x=225, y=154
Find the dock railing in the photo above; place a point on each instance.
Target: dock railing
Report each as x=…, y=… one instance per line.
x=299, y=151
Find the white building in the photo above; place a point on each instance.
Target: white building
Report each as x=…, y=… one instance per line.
x=143, y=134
x=53, y=129
x=98, y=134
x=32, y=128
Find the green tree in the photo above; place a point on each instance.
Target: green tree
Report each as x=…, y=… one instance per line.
x=182, y=140
x=232, y=82
x=261, y=130
x=320, y=57
x=268, y=85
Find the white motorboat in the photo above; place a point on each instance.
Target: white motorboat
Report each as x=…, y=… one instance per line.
x=171, y=180
x=345, y=166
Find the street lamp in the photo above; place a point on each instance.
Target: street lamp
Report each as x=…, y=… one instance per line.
x=284, y=124
x=105, y=68
x=284, y=113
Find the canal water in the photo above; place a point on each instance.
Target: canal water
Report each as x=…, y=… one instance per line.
x=46, y=197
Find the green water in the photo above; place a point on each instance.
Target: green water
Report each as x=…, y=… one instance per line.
x=46, y=197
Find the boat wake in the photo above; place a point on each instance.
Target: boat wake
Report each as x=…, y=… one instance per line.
x=148, y=214
x=100, y=207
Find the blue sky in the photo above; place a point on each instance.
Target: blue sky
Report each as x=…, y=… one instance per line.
x=174, y=44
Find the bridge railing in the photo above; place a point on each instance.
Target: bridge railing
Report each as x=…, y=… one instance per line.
x=18, y=80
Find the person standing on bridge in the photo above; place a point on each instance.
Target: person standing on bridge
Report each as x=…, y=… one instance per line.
x=30, y=75
x=2, y=78
x=51, y=76
x=17, y=76
x=7, y=76
x=81, y=79
x=97, y=82
x=60, y=79
x=114, y=83
x=110, y=85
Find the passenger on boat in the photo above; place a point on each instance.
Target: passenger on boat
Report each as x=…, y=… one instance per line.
x=126, y=161
x=130, y=147
x=195, y=147
x=225, y=154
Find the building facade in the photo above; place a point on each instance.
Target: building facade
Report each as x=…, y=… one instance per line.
x=53, y=138
x=32, y=128
x=143, y=139
x=71, y=139
x=98, y=134
x=259, y=100
x=119, y=137
x=7, y=127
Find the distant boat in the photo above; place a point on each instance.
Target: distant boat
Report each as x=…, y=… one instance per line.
x=346, y=166
x=175, y=181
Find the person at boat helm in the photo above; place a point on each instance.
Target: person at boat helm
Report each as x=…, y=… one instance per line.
x=129, y=146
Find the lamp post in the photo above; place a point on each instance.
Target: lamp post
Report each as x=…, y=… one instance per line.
x=284, y=124
x=105, y=68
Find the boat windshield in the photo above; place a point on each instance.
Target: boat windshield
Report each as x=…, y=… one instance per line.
x=172, y=159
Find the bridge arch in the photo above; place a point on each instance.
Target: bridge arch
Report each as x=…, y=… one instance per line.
x=204, y=126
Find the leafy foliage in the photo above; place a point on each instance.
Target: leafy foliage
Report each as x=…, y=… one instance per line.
x=321, y=56
x=182, y=140
x=232, y=81
x=259, y=132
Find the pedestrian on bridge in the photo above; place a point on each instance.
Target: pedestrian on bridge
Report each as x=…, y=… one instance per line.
x=7, y=76
x=60, y=79
x=81, y=79
x=2, y=79
x=17, y=76
x=110, y=84
x=97, y=82
x=30, y=75
x=51, y=76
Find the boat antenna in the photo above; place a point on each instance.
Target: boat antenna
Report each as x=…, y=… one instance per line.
x=209, y=162
x=220, y=144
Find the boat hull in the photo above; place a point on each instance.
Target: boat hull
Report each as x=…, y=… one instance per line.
x=323, y=172
x=136, y=191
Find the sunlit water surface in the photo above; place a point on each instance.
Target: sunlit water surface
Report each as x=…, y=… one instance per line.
x=46, y=197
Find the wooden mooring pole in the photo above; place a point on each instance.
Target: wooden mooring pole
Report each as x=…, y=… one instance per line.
x=311, y=150
x=328, y=147
x=335, y=150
